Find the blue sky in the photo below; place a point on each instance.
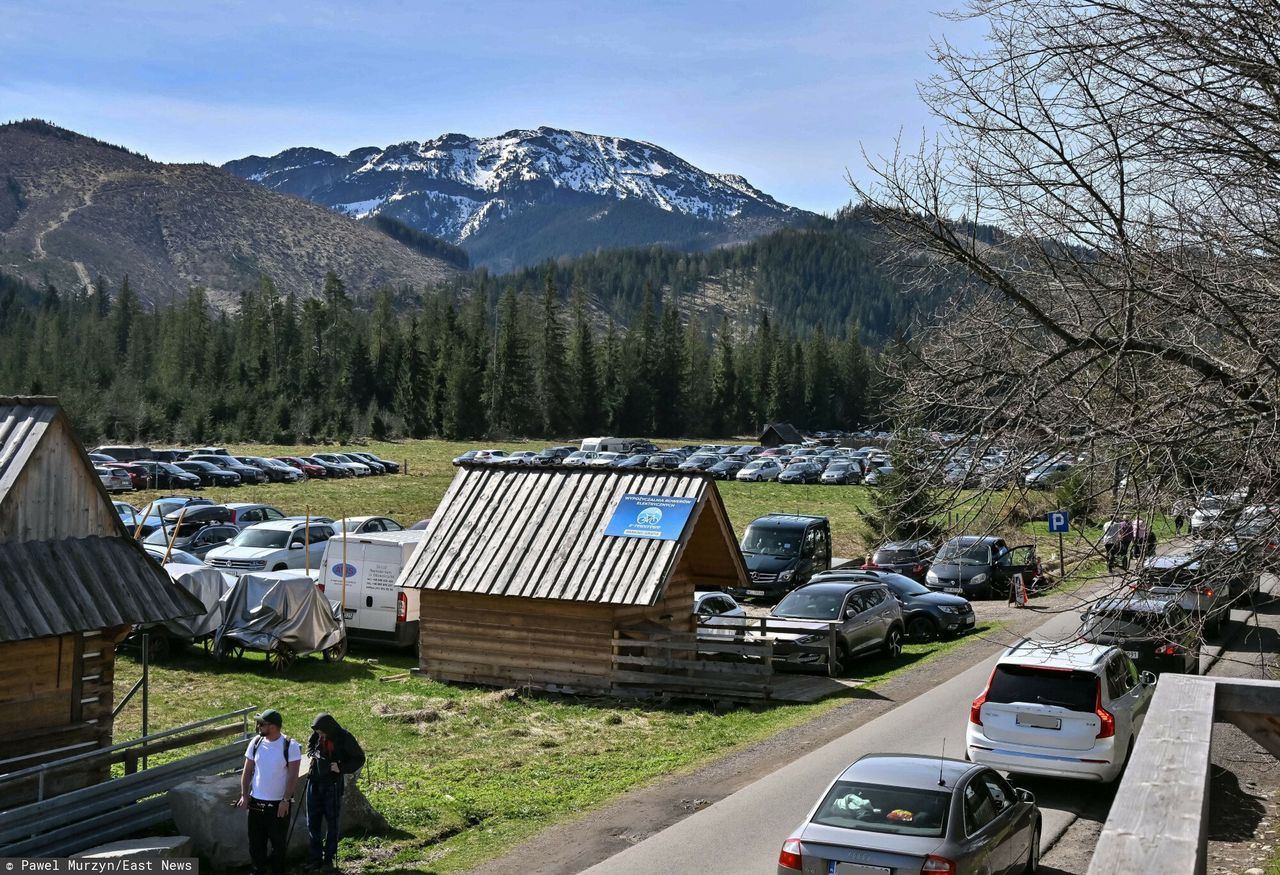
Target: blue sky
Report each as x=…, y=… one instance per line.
x=784, y=93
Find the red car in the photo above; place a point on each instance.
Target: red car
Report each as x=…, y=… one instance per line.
x=138, y=475
x=311, y=470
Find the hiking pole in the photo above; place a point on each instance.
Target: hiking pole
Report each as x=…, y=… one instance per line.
x=293, y=815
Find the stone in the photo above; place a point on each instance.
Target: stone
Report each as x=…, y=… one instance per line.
x=205, y=809
x=138, y=849
x=1254, y=871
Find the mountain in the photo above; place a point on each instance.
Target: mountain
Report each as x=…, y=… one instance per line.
x=73, y=208
x=525, y=196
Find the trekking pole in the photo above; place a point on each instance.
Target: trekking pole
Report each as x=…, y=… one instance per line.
x=293, y=815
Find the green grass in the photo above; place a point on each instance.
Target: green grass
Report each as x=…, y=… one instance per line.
x=475, y=771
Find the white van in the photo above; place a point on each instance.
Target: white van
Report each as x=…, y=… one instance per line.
x=607, y=445
x=376, y=609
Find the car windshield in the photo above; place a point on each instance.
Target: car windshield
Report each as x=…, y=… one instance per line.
x=179, y=556
x=894, y=557
x=877, y=808
x=811, y=604
x=1124, y=624
x=163, y=506
x=1073, y=690
x=704, y=459
x=1209, y=504
x=965, y=554
x=255, y=537
x=771, y=542
x=837, y=466
x=905, y=585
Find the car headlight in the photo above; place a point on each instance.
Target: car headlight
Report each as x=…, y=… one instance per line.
x=978, y=579
x=810, y=639
x=931, y=576
x=948, y=609
x=785, y=576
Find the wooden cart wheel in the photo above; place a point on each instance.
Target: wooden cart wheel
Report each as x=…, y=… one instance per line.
x=280, y=658
x=228, y=649
x=337, y=652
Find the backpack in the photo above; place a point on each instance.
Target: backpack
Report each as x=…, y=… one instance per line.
x=284, y=750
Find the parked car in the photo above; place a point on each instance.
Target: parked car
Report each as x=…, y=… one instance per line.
x=636, y=460
x=524, y=457
x=332, y=470
x=273, y=546
x=842, y=472
x=490, y=456
x=209, y=473
x=114, y=479
x=209, y=451
x=131, y=517
x=800, y=472
x=1046, y=476
x=728, y=467
x=353, y=469
x=169, y=455
x=1187, y=578
x=604, y=459
x=388, y=466
x=195, y=538
x=782, y=551
x=877, y=474
x=664, y=461
x=699, y=462
x=123, y=453
x=551, y=455
x=167, y=475
x=718, y=609
x=245, y=514
x=1154, y=631
x=1063, y=711
x=309, y=469
x=866, y=619
x=137, y=474
x=468, y=456
x=925, y=614
x=578, y=458
x=897, y=813
x=361, y=469
x=909, y=558
x=758, y=470
x=100, y=458
x=360, y=525
x=282, y=474
x=248, y=473
x=182, y=557
x=1213, y=515
x=361, y=572
x=979, y=566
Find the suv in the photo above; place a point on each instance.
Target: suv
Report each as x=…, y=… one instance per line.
x=1190, y=580
x=1154, y=631
x=124, y=453
x=863, y=613
x=1060, y=711
x=979, y=566
x=909, y=558
x=273, y=546
x=925, y=614
x=782, y=551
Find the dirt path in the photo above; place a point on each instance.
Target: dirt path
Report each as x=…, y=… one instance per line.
x=57, y=223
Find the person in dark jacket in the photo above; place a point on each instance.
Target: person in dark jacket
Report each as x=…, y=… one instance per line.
x=334, y=753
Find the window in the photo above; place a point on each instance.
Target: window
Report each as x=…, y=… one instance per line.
x=879, y=808
x=1117, y=677
x=1002, y=794
x=251, y=516
x=319, y=533
x=873, y=597
x=1074, y=690
x=270, y=513
x=979, y=809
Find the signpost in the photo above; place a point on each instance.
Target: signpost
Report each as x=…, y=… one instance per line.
x=1060, y=522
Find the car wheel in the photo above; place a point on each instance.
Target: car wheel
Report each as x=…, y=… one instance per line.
x=893, y=643
x=1033, y=853
x=280, y=566
x=841, y=665
x=921, y=629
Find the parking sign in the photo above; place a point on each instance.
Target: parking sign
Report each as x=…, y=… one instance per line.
x=1059, y=521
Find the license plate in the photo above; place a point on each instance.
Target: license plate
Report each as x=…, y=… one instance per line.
x=349, y=613
x=755, y=592
x=1039, y=721
x=1132, y=654
x=951, y=589
x=855, y=869
x=969, y=621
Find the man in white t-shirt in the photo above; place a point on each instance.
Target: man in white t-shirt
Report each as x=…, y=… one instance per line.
x=266, y=788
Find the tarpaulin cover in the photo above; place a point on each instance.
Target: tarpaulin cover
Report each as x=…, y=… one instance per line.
x=279, y=607
x=206, y=584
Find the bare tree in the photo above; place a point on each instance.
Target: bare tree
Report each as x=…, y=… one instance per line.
x=1107, y=184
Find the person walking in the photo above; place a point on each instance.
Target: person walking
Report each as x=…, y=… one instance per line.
x=1115, y=543
x=334, y=754
x=267, y=782
x=1181, y=510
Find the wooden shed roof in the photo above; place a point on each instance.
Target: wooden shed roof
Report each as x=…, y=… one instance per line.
x=783, y=432
x=23, y=422
x=539, y=533
x=82, y=584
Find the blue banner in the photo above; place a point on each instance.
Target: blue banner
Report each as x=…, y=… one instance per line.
x=654, y=517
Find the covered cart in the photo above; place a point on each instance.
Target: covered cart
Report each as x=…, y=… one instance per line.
x=208, y=585
x=281, y=614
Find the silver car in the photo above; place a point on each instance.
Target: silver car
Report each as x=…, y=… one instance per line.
x=895, y=814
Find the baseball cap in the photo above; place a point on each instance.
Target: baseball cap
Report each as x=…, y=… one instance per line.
x=271, y=715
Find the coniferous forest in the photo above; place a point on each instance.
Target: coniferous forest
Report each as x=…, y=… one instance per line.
x=441, y=363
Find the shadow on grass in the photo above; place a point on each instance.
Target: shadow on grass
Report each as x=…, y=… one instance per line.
x=312, y=668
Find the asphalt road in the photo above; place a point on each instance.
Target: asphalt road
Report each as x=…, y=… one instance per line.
x=743, y=832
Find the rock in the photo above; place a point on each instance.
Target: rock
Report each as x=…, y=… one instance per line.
x=1254, y=871
x=205, y=809
x=138, y=849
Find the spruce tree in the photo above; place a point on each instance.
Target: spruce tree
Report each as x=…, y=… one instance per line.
x=724, y=384
x=549, y=375
x=585, y=400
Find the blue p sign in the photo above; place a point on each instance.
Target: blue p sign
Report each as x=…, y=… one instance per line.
x=1059, y=521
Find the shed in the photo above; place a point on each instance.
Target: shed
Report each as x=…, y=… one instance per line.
x=72, y=583
x=776, y=434
x=528, y=575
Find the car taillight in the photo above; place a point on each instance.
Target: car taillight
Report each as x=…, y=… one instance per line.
x=975, y=710
x=402, y=607
x=1207, y=592
x=1108, y=727
x=1170, y=650
x=790, y=857
x=933, y=863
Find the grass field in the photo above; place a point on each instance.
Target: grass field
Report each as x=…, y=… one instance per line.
x=462, y=774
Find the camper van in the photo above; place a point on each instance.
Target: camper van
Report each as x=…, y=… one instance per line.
x=376, y=609
x=607, y=445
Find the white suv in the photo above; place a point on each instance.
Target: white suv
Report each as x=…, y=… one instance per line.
x=1066, y=711
x=273, y=546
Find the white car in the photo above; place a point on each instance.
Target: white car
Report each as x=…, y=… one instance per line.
x=718, y=609
x=356, y=468
x=1060, y=711
x=114, y=479
x=578, y=458
x=273, y=546
x=759, y=470
x=604, y=460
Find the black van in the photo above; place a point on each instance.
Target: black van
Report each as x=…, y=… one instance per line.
x=783, y=551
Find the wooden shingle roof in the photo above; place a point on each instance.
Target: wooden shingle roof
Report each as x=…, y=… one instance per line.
x=539, y=533
x=23, y=422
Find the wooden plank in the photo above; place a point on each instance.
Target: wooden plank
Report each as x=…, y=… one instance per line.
x=744, y=668
x=518, y=665
x=1159, y=819
x=474, y=673
x=687, y=681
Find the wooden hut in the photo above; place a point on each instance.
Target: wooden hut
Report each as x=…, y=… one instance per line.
x=776, y=434
x=72, y=583
x=529, y=575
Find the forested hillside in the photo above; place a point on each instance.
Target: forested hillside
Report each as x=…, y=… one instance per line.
x=496, y=363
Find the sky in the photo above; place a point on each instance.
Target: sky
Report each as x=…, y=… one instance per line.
x=787, y=94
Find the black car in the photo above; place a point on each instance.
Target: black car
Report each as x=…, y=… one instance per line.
x=166, y=475
x=248, y=473
x=468, y=456
x=196, y=538
x=636, y=460
x=332, y=471
x=925, y=614
x=388, y=466
x=550, y=456
x=667, y=461
x=273, y=473
x=801, y=471
x=980, y=566
x=842, y=472
x=699, y=462
x=1155, y=632
x=782, y=551
x=210, y=474
x=725, y=469
x=909, y=558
